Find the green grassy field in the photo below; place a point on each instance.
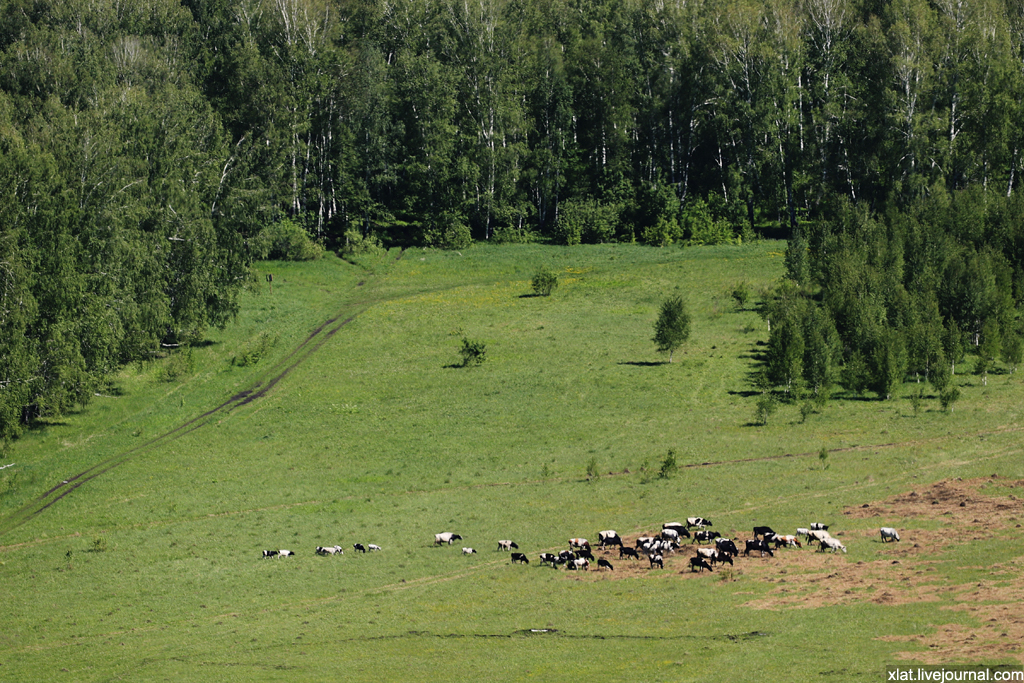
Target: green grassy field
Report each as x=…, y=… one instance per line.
x=357, y=426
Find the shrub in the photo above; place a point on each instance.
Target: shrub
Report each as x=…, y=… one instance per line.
x=253, y=352
x=447, y=231
x=544, y=282
x=357, y=244
x=668, y=465
x=472, y=352
x=178, y=366
x=285, y=240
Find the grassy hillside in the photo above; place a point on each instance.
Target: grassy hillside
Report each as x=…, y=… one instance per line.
x=355, y=425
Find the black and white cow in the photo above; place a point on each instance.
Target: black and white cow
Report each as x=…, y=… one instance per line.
x=446, y=537
x=605, y=563
x=579, y=543
x=699, y=522
x=359, y=547
x=548, y=558
x=657, y=560
x=270, y=553
x=699, y=563
x=520, y=557
x=680, y=529
x=609, y=537
x=585, y=554
x=579, y=564
x=702, y=535
x=758, y=544
x=727, y=545
x=469, y=551
x=818, y=526
x=507, y=545
x=763, y=531
x=329, y=550
x=284, y=553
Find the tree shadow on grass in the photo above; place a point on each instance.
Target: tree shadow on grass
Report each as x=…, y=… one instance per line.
x=643, y=363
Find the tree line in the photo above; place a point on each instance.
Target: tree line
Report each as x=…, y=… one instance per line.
x=150, y=151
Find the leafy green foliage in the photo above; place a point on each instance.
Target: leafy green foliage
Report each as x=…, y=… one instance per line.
x=285, y=240
x=668, y=466
x=672, y=328
x=473, y=352
x=544, y=282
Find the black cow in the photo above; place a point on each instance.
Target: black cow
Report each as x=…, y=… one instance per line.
x=722, y=556
x=726, y=545
x=585, y=554
x=520, y=557
x=605, y=563
x=360, y=548
x=763, y=531
x=628, y=552
x=699, y=563
x=270, y=553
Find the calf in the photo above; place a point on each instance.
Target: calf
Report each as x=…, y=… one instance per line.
x=889, y=534
x=373, y=548
x=507, y=545
x=520, y=557
x=657, y=560
x=763, y=531
x=628, y=552
x=788, y=540
x=360, y=548
x=605, y=563
x=758, y=544
x=698, y=522
x=580, y=563
x=699, y=563
x=468, y=551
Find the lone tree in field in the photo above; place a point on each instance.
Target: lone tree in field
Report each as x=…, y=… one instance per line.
x=672, y=327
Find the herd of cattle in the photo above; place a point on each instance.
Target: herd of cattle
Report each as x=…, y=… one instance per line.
x=579, y=556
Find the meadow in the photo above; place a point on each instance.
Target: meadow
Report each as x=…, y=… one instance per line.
x=334, y=410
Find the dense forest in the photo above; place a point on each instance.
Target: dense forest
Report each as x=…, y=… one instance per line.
x=149, y=152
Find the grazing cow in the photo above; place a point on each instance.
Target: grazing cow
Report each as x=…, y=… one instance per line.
x=270, y=553
x=520, y=557
x=507, y=545
x=628, y=552
x=609, y=537
x=669, y=535
x=789, y=540
x=446, y=537
x=889, y=534
x=726, y=545
x=469, y=551
x=818, y=526
x=605, y=563
x=360, y=548
x=657, y=560
x=329, y=550
x=701, y=536
x=579, y=543
x=644, y=540
x=374, y=548
x=758, y=544
x=697, y=522
x=566, y=555
x=832, y=544
x=578, y=564
x=706, y=553
x=818, y=535
x=548, y=558
x=585, y=554
x=699, y=563
x=676, y=527
x=763, y=531
x=803, y=531
x=288, y=553
x=722, y=556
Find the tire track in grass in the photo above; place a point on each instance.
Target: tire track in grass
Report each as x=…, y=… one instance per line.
x=268, y=380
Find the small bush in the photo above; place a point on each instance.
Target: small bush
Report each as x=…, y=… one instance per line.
x=357, y=244
x=668, y=465
x=447, y=231
x=472, y=352
x=766, y=405
x=741, y=293
x=592, y=472
x=544, y=282
x=178, y=366
x=285, y=240
x=253, y=352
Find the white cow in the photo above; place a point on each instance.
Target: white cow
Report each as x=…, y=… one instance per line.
x=889, y=534
x=446, y=537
